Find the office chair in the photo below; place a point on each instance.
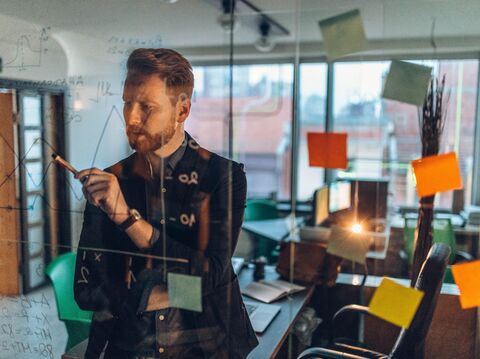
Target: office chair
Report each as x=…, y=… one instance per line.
x=410, y=342
x=442, y=233
x=257, y=210
x=61, y=272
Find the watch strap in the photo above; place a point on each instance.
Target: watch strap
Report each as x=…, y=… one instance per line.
x=129, y=221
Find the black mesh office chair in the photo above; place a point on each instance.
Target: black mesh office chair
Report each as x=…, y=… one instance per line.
x=410, y=342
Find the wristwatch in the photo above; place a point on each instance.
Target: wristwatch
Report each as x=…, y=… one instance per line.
x=134, y=216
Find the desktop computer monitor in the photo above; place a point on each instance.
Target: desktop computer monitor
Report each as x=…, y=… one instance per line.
x=369, y=198
x=320, y=206
x=339, y=196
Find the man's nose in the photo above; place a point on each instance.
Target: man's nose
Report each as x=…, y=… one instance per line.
x=133, y=116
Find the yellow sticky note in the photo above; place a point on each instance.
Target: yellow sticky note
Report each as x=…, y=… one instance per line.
x=395, y=303
x=343, y=34
x=345, y=243
x=436, y=174
x=467, y=278
x=327, y=150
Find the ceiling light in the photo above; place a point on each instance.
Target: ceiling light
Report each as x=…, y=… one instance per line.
x=264, y=43
x=226, y=21
x=169, y=1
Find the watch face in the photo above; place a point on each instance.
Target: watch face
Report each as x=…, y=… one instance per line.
x=135, y=214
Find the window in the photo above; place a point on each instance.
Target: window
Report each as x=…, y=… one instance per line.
x=312, y=115
x=384, y=135
x=262, y=117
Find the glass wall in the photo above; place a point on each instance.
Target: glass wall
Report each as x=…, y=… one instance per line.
x=264, y=78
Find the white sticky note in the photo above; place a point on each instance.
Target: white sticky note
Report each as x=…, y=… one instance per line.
x=345, y=243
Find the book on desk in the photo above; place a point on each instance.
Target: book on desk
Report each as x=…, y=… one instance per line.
x=268, y=291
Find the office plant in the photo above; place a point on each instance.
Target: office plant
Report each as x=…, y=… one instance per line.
x=431, y=123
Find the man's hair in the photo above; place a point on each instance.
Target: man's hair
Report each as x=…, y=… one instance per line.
x=172, y=67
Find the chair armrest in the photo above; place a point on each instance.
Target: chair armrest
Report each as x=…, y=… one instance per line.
x=322, y=353
x=461, y=256
x=363, y=352
x=352, y=308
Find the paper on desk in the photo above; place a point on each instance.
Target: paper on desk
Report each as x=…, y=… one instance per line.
x=395, y=303
x=343, y=242
x=436, y=174
x=407, y=82
x=467, y=278
x=327, y=150
x=343, y=34
x=185, y=291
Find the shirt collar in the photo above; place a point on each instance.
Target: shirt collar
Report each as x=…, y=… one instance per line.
x=176, y=156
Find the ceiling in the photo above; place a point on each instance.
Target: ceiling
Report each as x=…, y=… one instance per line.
x=193, y=23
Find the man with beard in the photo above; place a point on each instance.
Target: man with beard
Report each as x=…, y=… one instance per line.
x=170, y=207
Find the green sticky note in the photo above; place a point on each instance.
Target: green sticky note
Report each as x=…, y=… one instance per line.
x=185, y=291
x=343, y=34
x=407, y=82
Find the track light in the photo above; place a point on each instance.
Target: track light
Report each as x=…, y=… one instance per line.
x=225, y=20
x=264, y=43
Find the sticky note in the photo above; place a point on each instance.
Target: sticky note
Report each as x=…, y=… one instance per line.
x=395, y=303
x=343, y=34
x=345, y=243
x=185, y=291
x=328, y=150
x=407, y=82
x=436, y=174
x=467, y=278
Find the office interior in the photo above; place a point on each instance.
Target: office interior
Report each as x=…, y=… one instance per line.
x=263, y=80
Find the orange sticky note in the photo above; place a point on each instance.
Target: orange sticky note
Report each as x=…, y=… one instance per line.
x=467, y=277
x=327, y=150
x=437, y=174
x=395, y=303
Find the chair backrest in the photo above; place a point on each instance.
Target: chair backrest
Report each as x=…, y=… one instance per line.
x=258, y=209
x=442, y=233
x=411, y=342
x=61, y=272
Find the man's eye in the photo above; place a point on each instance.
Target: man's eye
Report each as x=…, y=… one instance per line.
x=146, y=108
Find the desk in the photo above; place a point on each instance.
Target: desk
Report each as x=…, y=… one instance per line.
x=270, y=342
x=284, y=229
x=276, y=229
x=274, y=336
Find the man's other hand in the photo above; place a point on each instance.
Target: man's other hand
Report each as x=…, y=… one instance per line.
x=102, y=190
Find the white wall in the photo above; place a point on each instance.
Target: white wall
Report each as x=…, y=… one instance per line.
x=94, y=76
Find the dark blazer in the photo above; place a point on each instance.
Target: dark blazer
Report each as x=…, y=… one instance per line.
x=204, y=205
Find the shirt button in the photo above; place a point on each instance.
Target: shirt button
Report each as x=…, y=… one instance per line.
x=162, y=221
x=161, y=317
x=164, y=190
x=161, y=350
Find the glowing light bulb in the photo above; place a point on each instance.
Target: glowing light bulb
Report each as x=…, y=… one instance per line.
x=357, y=228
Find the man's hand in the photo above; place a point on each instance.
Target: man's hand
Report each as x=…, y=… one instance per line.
x=103, y=190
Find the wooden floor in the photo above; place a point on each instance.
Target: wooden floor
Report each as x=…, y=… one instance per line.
x=29, y=327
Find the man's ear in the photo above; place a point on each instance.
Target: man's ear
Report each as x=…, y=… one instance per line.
x=182, y=108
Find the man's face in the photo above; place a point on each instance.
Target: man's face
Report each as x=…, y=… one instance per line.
x=148, y=112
